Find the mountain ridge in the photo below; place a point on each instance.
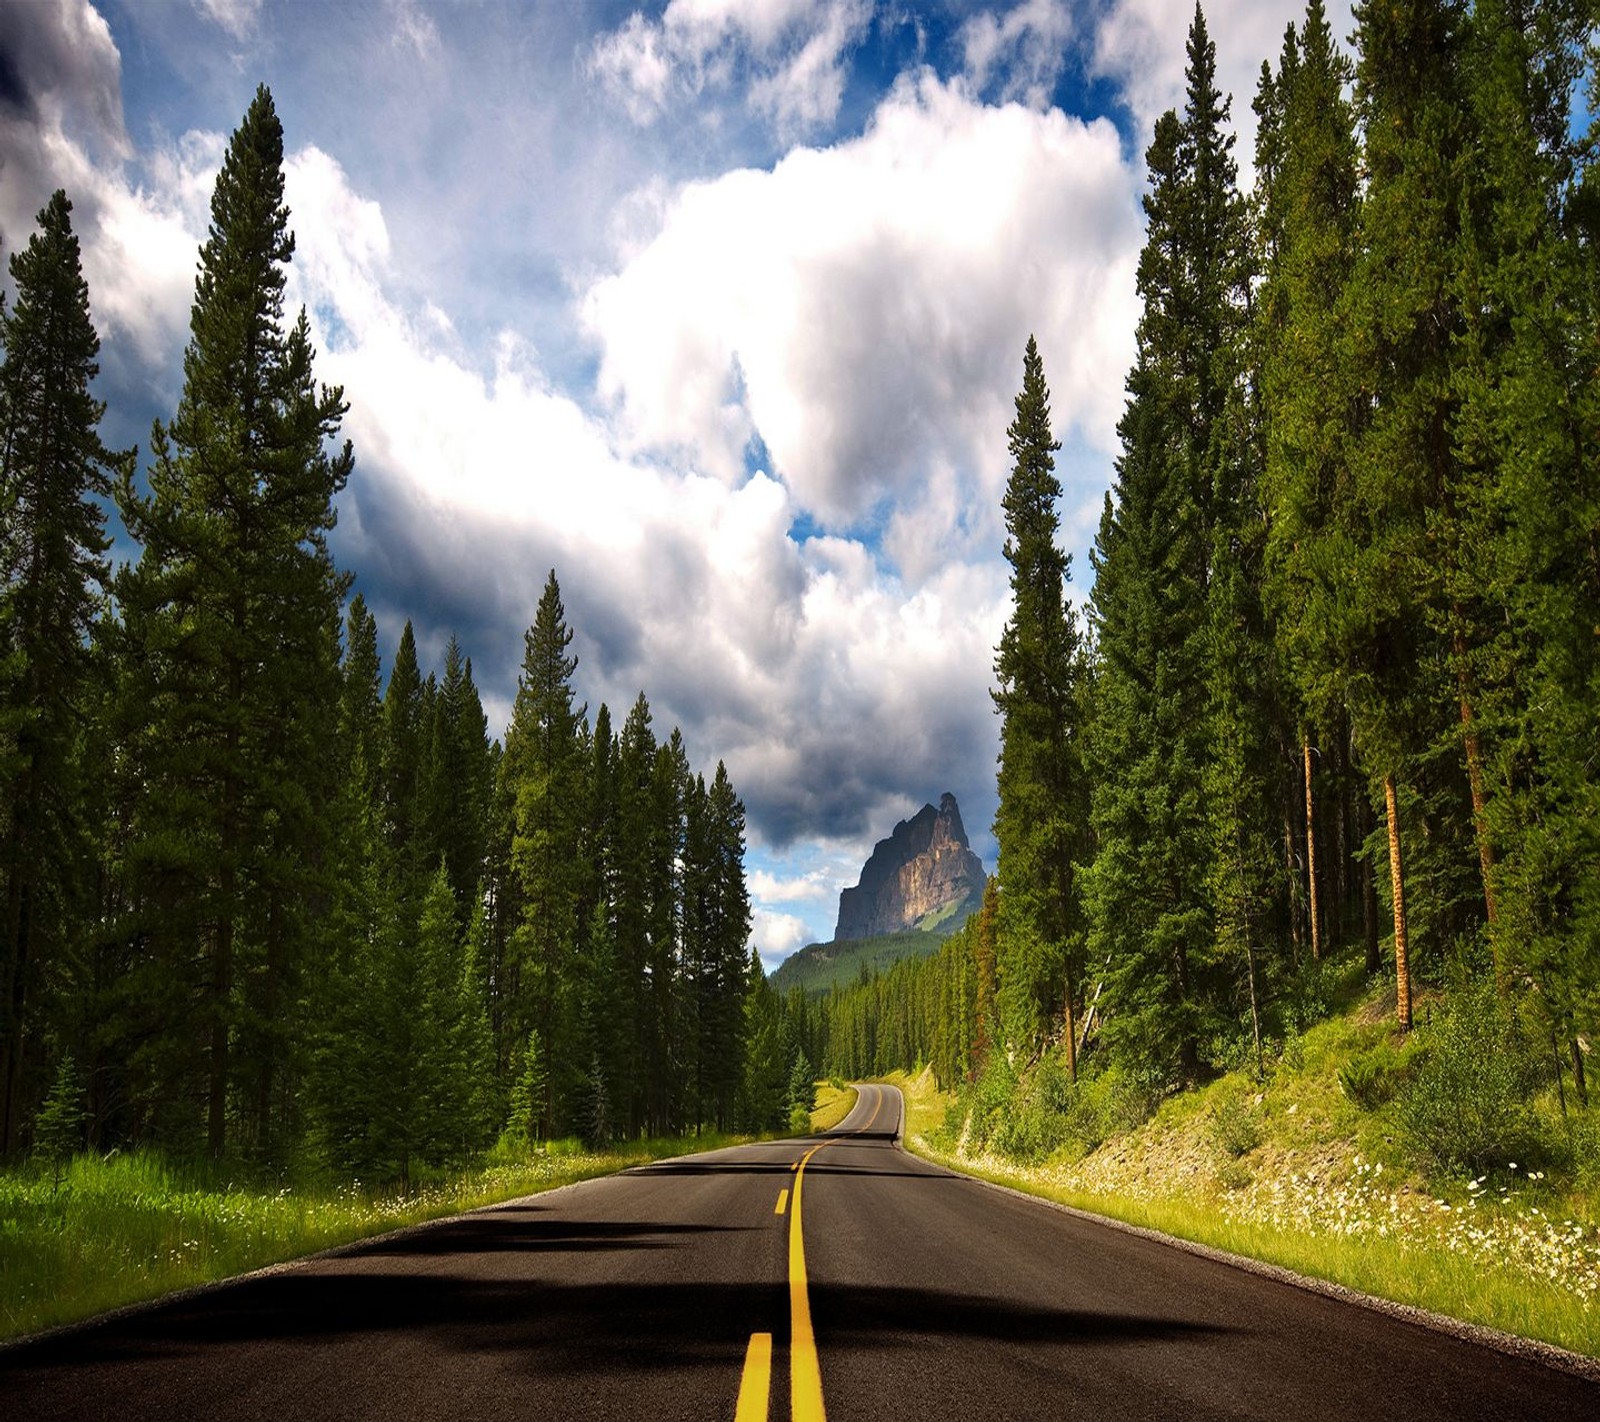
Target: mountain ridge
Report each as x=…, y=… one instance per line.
x=917, y=874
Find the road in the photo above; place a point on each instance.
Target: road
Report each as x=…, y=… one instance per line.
x=779, y=1280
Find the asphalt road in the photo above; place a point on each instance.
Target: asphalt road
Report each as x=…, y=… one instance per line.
x=884, y=1287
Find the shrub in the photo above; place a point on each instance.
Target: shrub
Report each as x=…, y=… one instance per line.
x=1236, y=1125
x=58, y=1131
x=1376, y=1076
x=992, y=1101
x=1468, y=1103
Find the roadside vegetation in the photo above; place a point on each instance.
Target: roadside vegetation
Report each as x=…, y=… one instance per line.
x=85, y=1233
x=94, y=1233
x=835, y=1101
x=1441, y=1169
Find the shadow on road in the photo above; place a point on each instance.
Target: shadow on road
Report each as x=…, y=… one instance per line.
x=512, y=1229
x=848, y=1318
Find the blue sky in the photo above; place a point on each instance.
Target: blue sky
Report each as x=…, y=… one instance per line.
x=717, y=307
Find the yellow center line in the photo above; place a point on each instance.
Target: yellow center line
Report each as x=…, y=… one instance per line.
x=805, y=1372
x=756, y=1387
x=783, y=1202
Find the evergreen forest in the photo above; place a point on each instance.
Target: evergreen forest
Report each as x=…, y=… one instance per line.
x=260, y=904
x=1336, y=699
x=1334, y=695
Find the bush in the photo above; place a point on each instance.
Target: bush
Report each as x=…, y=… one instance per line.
x=1376, y=1076
x=1236, y=1125
x=58, y=1131
x=1468, y=1104
x=993, y=1097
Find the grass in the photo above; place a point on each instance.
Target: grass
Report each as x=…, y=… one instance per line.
x=1292, y=1172
x=131, y=1227
x=835, y=1101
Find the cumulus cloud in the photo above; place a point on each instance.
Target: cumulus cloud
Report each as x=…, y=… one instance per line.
x=790, y=53
x=61, y=126
x=777, y=935
x=776, y=510
x=862, y=310
x=825, y=686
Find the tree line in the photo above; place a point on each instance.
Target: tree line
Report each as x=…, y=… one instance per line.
x=260, y=902
x=1340, y=680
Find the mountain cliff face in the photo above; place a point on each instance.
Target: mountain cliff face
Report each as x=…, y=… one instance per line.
x=924, y=868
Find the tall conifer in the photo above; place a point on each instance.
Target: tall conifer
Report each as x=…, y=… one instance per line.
x=229, y=617
x=1042, y=817
x=54, y=471
x=1151, y=890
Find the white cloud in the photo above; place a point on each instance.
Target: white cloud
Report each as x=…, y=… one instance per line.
x=824, y=685
x=414, y=28
x=138, y=240
x=1027, y=47
x=776, y=936
x=237, y=17
x=805, y=888
x=1140, y=45
x=863, y=310
x=633, y=63
x=803, y=93
x=793, y=52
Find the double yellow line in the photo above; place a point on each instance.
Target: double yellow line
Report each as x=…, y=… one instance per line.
x=805, y=1371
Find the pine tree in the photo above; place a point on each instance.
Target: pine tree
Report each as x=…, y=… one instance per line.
x=722, y=952
x=528, y=1091
x=983, y=951
x=761, y=1105
x=475, y=1113
x=1149, y=889
x=547, y=779
x=58, y=1129
x=665, y=1058
x=801, y=1095
x=636, y=876
x=54, y=471
x=1306, y=391
x=401, y=769
x=456, y=769
x=1042, y=817
x=1403, y=321
x=229, y=615
x=1528, y=673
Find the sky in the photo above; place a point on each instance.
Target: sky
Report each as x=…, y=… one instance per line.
x=715, y=307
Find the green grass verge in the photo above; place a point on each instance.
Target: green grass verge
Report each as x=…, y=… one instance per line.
x=132, y=1227
x=834, y=1103
x=1504, y=1266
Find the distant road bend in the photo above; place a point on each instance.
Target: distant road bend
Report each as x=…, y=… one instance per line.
x=835, y=1275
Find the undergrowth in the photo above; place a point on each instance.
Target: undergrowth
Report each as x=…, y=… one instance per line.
x=108, y=1231
x=1441, y=1168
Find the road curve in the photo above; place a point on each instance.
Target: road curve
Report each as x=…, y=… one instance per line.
x=687, y=1289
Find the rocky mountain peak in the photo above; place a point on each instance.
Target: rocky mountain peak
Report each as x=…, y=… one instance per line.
x=924, y=869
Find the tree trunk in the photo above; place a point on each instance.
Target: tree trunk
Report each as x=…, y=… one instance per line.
x=1311, y=855
x=1341, y=848
x=1291, y=874
x=1402, y=966
x=1071, y=1025
x=221, y=984
x=1480, y=818
x=13, y=1002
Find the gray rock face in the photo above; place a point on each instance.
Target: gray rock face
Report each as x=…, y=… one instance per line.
x=926, y=865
